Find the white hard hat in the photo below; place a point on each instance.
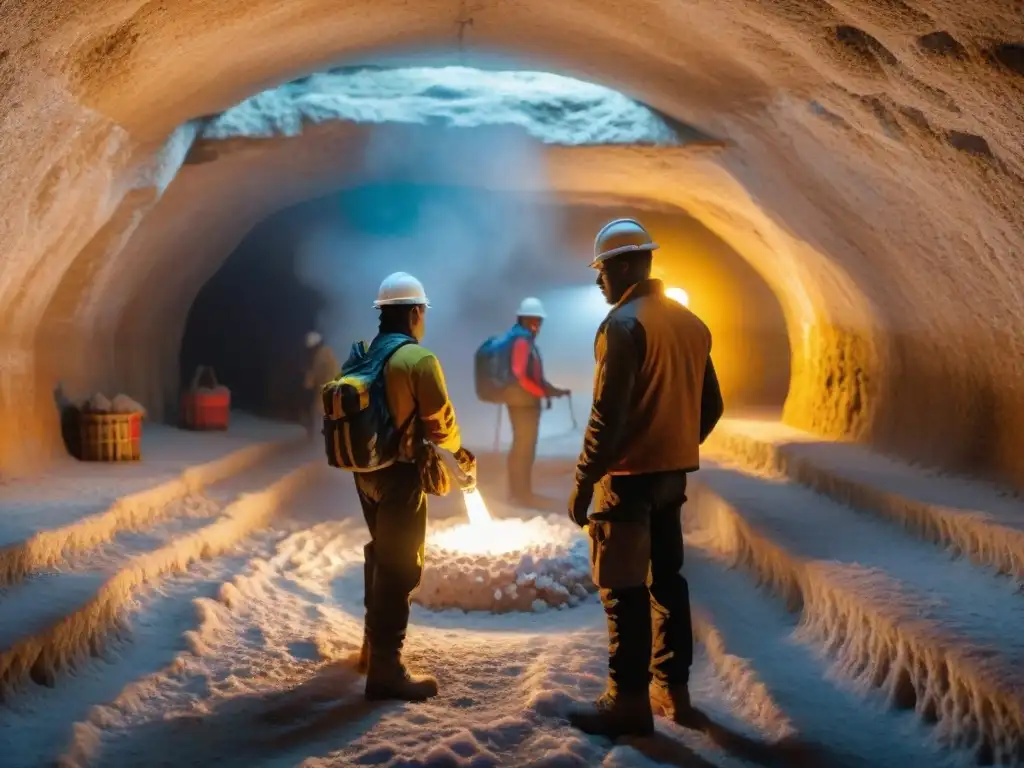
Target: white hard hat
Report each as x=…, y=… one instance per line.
x=620, y=236
x=531, y=307
x=313, y=338
x=401, y=288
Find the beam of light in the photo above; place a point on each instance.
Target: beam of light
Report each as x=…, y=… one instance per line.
x=476, y=508
x=678, y=294
x=484, y=535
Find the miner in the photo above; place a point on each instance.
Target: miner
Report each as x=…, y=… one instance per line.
x=656, y=399
x=389, y=401
x=321, y=367
x=514, y=373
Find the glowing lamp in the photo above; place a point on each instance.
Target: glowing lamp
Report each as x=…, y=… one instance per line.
x=678, y=294
x=483, y=535
x=476, y=508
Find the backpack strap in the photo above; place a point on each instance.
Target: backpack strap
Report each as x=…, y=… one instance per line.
x=393, y=345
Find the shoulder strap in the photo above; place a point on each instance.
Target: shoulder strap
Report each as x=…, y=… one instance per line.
x=390, y=347
x=371, y=359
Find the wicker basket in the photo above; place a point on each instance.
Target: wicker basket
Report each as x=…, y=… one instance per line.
x=111, y=436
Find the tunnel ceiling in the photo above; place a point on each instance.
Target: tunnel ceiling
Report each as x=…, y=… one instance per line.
x=871, y=171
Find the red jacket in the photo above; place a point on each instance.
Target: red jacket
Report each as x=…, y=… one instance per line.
x=528, y=368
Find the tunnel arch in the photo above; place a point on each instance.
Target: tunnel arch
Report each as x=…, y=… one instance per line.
x=312, y=167
x=848, y=175
x=288, y=275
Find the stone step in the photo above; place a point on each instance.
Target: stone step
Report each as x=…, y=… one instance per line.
x=937, y=635
x=783, y=685
x=971, y=519
x=80, y=505
x=52, y=618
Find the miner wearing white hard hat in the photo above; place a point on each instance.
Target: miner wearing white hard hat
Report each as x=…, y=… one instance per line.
x=510, y=371
x=656, y=399
x=321, y=367
x=394, y=399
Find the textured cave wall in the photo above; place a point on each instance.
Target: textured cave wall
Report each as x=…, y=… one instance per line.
x=873, y=180
x=210, y=207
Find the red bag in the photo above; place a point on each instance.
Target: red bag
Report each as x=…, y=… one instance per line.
x=205, y=407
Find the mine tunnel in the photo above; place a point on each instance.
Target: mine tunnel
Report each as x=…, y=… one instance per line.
x=308, y=266
x=835, y=191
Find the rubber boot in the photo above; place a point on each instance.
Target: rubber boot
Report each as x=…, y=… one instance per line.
x=615, y=715
x=674, y=703
x=387, y=679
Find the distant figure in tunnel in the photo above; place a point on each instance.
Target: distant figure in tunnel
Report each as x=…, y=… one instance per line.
x=393, y=397
x=322, y=366
x=516, y=377
x=656, y=399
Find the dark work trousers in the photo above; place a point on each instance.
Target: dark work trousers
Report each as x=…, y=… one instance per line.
x=637, y=557
x=525, y=430
x=395, y=508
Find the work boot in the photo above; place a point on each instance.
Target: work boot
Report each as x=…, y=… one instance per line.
x=674, y=703
x=387, y=679
x=616, y=715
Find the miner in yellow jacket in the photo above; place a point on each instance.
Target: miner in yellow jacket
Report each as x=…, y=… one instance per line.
x=393, y=499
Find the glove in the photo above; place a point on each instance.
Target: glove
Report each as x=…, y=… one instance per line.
x=564, y=392
x=579, y=504
x=467, y=467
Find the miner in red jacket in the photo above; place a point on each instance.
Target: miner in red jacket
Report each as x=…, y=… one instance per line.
x=524, y=396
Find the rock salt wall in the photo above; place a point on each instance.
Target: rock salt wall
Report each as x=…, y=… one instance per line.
x=873, y=179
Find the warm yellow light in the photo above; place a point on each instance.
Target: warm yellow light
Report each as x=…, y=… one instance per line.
x=476, y=508
x=678, y=294
x=483, y=535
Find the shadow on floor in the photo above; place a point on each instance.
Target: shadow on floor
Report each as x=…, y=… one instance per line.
x=313, y=719
x=665, y=750
x=787, y=753
x=661, y=748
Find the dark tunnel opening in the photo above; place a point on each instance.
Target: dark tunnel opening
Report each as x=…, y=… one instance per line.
x=316, y=266
x=249, y=321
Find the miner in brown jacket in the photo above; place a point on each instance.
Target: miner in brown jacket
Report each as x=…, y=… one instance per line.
x=322, y=366
x=656, y=399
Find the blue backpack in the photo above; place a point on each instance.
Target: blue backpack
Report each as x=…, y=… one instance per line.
x=492, y=366
x=359, y=432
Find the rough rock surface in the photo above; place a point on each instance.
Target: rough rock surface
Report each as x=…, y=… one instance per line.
x=873, y=176
x=551, y=108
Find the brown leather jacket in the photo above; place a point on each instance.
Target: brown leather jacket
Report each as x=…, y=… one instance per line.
x=656, y=394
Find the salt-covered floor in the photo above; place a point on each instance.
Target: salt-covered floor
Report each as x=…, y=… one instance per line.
x=262, y=675
x=245, y=659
